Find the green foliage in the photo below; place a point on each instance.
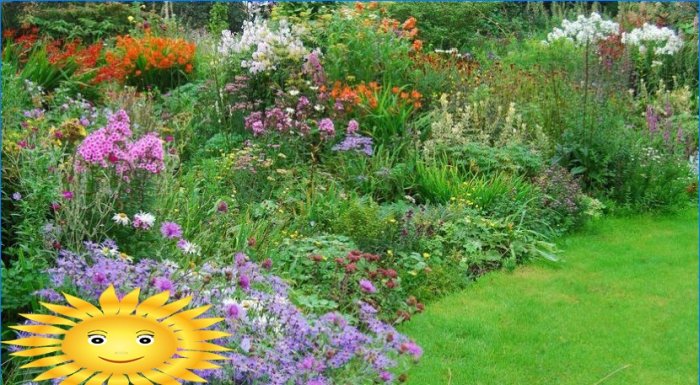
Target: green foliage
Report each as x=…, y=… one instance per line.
x=361, y=53
x=86, y=21
x=457, y=25
x=218, y=18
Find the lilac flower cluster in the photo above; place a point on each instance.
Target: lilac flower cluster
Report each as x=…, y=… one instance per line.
x=112, y=146
x=357, y=143
x=272, y=341
x=313, y=67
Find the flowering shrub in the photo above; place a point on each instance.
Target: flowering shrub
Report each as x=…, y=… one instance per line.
x=263, y=46
x=584, y=30
x=340, y=276
x=661, y=41
x=85, y=57
x=149, y=61
x=272, y=342
x=111, y=147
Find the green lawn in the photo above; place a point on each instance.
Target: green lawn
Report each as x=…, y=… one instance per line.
x=621, y=308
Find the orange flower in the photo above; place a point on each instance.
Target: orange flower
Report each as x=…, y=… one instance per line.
x=416, y=95
x=395, y=90
x=372, y=5
x=417, y=45
x=188, y=68
x=359, y=6
x=410, y=23
x=404, y=95
x=137, y=73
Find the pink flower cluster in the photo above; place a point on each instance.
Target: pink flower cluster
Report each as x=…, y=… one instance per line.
x=111, y=146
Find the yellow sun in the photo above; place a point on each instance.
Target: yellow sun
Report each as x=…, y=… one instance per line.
x=122, y=342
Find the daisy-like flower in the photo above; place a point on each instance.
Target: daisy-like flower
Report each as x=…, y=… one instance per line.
x=188, y=247
x=110, y=251
x=144, y=220
x=121, y=219
x=16, y=196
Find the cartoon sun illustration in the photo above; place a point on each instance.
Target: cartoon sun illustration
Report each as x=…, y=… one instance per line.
x=123, y=342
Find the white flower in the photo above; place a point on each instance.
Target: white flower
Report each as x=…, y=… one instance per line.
x=318, y=107
x=289, y=110
x=144, y=220
x=188, y=247
x=121, y=219
x=585, y=30
x=110, y=251
x=665, y=41
x=294, y=92
x=265, y=47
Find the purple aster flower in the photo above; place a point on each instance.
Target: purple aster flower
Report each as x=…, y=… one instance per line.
x=171, y=230
x=162, y=283
x=232, y=309
x=49, y=295
x=240, y=259
x=367, y=286
x=386, y=376
x=67, y=195
x=17, y=196
x=244, y=282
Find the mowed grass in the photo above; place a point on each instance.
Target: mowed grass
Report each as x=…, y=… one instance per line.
x=621, y=308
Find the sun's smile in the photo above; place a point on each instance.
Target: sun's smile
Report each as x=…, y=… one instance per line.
x=120, y=362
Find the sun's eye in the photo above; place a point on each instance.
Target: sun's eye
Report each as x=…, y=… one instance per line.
x=97, y=339
x=144, y=339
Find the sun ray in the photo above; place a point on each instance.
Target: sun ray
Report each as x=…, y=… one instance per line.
x=84, y=306
x=65, y=311
x=204, y=356
x=59, y=371
x=48, y=319
x=166, y=310
x=118, y=379
x=152, y=303
x=205, y=346
x=109, y=302
x=39, y=329
x=160, y=378
x=98, y=379
x=193, y=363
x=36, y=351
x=178, y=369
x=187, y=315
x=138, y=380
x=206, y=335
x=128, y=304
x=47, y=361
x=77, y=378
x=35, y=341
x=203, y=323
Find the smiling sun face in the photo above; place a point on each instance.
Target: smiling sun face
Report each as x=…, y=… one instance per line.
x=121, y=342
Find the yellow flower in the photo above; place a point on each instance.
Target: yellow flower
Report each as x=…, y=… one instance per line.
x=413, y=273
x=390, y=253
x=426, y=255
x=131, y=19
